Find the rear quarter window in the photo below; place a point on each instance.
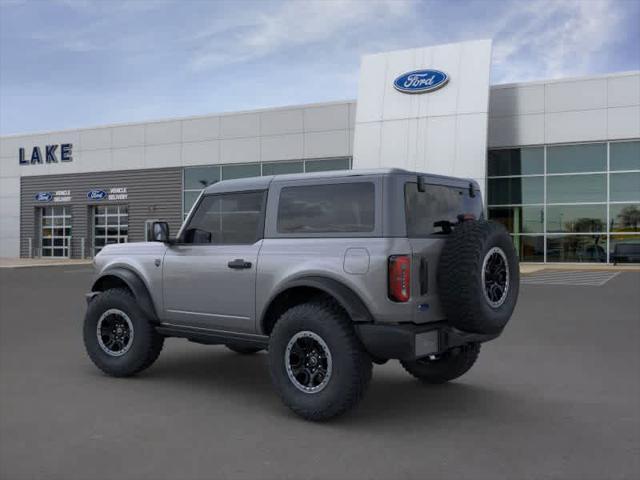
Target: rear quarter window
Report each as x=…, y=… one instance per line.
x=438, y=203
x=333, y=208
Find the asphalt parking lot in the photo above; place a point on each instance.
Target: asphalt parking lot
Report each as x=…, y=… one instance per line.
x=557, y=396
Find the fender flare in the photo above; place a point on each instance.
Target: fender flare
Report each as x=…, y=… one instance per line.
x=135, y=284
x=345, y=296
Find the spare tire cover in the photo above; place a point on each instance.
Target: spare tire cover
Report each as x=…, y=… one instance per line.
x=478, y=277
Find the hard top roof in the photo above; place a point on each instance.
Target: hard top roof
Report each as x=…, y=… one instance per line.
x=262, y=183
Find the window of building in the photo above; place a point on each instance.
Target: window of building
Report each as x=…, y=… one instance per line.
x=529, y=248
x=335, y=208
x=55, y=231
x=516, y=161
x=197, y=178
x=590, y=157
x=576, y=188
x=279, y=168
x=577, y=218
x=625, y=155
x=624, y=217
x=227, y=219
x=625, y=187
x=327, y=165
x=520, y=219
x=577, y=248
x=516, y=191
x=568, y=206
x=246, y=170
x=110, y=225
x=624, y=249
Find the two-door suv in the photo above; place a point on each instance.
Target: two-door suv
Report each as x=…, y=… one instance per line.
x=330, y=272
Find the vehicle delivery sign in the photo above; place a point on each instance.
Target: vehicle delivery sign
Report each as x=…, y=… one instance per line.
x=111, y=194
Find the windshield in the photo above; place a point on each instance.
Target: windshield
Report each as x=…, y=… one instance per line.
x=438, y=208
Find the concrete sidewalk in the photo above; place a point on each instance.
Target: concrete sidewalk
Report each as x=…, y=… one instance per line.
x=40, y=262
x=526, y=268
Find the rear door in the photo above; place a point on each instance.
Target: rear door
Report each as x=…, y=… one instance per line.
x=430, y=216
x=209, y=277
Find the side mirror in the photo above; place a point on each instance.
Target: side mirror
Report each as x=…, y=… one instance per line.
x=160, y=232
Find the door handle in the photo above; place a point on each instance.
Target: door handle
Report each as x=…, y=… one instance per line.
x=239, y=263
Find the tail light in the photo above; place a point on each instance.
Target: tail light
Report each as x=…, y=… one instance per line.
x=399, y=278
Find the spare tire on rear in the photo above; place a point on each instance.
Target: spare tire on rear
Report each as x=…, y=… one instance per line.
x=478, y=277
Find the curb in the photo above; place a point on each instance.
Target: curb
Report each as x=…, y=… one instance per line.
x=24, y=264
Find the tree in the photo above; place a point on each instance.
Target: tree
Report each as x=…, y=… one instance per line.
x=584, y=225
x=628, y=219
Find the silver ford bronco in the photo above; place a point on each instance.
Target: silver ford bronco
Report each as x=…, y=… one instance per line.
x=329, y=272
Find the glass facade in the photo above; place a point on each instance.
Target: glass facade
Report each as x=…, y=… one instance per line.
x=568, y=203
x=197, y=178
x=561, y=203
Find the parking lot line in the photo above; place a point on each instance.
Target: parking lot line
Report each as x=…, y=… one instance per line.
x=579, y=278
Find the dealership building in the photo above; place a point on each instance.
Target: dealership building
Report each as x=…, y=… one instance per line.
x=558, y=160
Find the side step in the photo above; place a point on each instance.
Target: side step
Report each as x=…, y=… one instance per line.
x=212, y=337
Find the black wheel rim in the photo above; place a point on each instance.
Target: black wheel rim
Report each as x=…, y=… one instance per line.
x=308, y=362
x=115, y=332
x=495, y=277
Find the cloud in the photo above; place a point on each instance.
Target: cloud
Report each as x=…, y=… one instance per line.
x=131, y=60
x=113, y=6
x=533, y=39
x=549, y=39
x=92, y=26
x=289, y=25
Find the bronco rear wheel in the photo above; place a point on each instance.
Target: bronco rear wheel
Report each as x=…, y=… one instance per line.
x=478, y=277
x=318, y=366
x=118, y=337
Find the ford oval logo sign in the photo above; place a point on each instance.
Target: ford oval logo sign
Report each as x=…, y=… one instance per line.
x=44, y=196
x=420, y=81
x=97, y=195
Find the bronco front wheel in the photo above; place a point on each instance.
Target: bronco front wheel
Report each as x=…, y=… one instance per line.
x=118, y=337
x=317, y=363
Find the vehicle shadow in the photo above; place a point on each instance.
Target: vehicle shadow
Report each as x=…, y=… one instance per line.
x=394, y=399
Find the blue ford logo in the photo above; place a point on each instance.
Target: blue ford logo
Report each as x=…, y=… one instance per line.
x=420, y=81
x=97, y=195
x=44, y=196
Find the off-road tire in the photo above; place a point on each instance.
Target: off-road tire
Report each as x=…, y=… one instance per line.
x=243, y=349
x=460, y=286
x=146, y=344
x=448, y=366
x=352, y=365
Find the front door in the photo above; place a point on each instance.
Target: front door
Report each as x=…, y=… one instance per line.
x=209, y=276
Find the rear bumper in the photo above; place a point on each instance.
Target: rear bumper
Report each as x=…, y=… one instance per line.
x=410, y=342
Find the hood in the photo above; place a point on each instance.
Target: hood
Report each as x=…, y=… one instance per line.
x=133, y=248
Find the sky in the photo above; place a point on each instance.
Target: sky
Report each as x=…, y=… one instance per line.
x=79, y=63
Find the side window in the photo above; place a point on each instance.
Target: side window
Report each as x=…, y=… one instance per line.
x=227, y=219
x=334, y=208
